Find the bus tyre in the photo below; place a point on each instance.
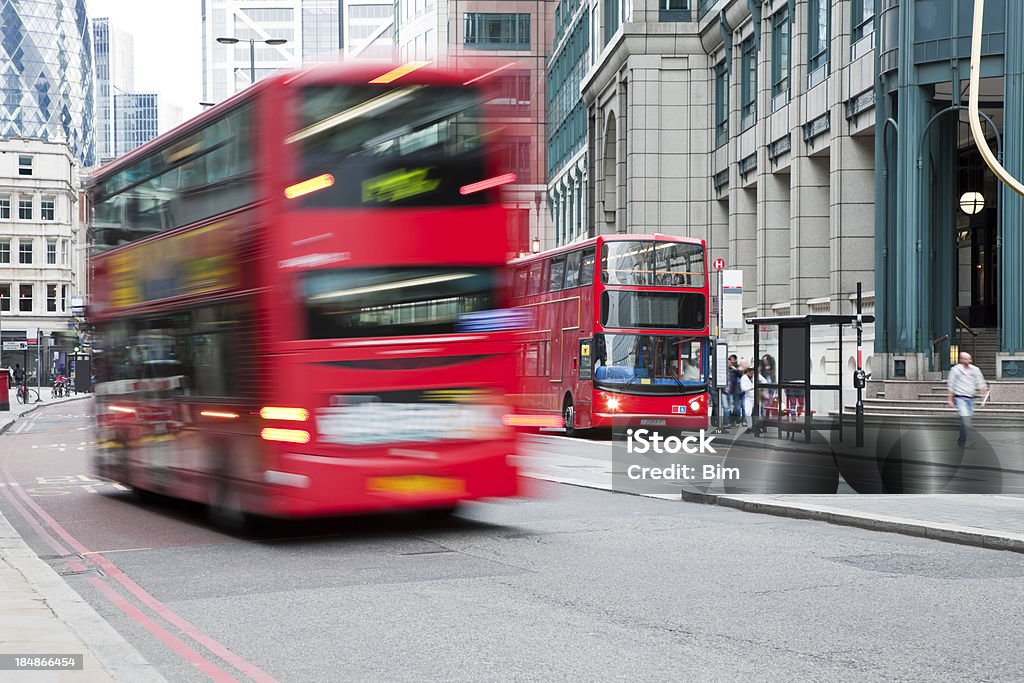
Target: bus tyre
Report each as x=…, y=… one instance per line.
x=569, y=417
x=225, y=508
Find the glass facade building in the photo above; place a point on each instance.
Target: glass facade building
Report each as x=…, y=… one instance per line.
x=46, y=74
x=136, y=117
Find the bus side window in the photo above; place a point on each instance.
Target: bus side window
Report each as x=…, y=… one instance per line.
x=587, y=267
x=557, y=272
x=534, y=279
x=572, y=269
x=545, y=273
x=519, y=283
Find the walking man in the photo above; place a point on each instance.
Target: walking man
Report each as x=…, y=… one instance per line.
x=965, y=382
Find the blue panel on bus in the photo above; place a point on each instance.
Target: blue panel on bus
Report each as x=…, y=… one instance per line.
x=494, y=321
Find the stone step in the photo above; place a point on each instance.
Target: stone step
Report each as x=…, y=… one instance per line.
x=898, y=409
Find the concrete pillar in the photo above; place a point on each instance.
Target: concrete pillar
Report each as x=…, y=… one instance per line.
x=1011, y=241
x=852, y=229
x=809, y=230
x=773, y=219
x=743, y=242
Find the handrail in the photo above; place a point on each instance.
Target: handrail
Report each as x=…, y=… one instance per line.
x=940, y=340
x=961, y=323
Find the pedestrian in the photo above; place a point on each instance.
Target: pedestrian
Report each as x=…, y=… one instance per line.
x=747, y=385
x=767, y=373
x=19, y=374
x=727, y=407
x=736, y=392
x=964, y=384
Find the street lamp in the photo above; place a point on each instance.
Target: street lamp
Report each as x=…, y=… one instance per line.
x=252, y=50
x=972, y=202
x=535, y=245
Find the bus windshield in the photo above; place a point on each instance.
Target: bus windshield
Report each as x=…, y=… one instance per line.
x=652, y=264
x=389, y=146
x=646, y=363
x=390, y=302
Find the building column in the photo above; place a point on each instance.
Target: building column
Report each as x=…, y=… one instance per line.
x=773, y=218
x=852, y=233
x=1010, y=240
x=809, y=230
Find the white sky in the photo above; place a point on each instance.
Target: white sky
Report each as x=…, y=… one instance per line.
x=168, y=46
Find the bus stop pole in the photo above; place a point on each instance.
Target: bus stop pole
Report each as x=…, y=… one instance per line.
x=859, y=380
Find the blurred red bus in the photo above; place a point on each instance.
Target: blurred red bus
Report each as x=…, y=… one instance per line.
x=620, y=332
x=300, y=300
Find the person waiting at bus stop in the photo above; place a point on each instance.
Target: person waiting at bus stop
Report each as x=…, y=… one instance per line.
x=964, y=384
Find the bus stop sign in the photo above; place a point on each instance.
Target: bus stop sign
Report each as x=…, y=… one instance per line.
x=719, y=264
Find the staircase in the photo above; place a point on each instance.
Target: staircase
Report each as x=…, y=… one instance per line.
x=983, y=348
x=924, y=403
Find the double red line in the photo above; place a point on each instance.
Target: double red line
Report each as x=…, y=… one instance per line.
x=44, y=524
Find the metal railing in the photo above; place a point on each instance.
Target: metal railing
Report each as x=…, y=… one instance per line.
x=961, y=327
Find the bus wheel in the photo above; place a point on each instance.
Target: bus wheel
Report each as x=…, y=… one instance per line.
x=569, y=417
x=224, y=509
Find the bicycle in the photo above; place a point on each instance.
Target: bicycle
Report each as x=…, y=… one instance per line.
x=61, y=387
x=27, y=395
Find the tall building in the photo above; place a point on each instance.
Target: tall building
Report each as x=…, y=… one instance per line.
x=570, y=59
x=46, y=74
x=368, y=30
x=315, y=31
x=41, y=262
x=115, y=75
x=814, y=144
x=513, y=44
x=136, y=119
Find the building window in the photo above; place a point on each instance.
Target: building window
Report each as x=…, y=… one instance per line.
x=63, y=298
x=25, y=252
x=51, y=253
x=24, y=164
x=862, y=16
x=46, y=208
x=5, y=208
x=25, y=298
x=497, y=31
x=612, y=19
x=721, y=103
x=5, y=251
x=748, y=82
x=5, y=297
x=51, y=298
x=780, y=53
x=25, y=208
x=818, y=19
x=64, y=252
x=674, y=10
x=512, y=94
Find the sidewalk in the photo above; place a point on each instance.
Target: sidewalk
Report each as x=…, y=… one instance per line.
x=43, y=615
x=987, y=521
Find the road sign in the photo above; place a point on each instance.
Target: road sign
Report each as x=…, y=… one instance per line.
x=719, y=264
x=15, y=346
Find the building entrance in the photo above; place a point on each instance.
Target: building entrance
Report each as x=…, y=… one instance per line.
x=976, y=226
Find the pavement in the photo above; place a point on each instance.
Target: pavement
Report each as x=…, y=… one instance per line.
x=991, y=520
x=45, y=616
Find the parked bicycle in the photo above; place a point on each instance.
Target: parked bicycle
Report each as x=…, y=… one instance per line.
x=26, y=394
x=61, y=387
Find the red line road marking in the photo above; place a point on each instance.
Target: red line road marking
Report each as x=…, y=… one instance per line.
x=180, y=648
x=162, y=610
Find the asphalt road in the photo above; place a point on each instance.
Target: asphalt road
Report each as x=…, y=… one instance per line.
x=574, y=584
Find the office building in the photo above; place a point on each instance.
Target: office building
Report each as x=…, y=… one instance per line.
x=46, y=74
x=115, y=75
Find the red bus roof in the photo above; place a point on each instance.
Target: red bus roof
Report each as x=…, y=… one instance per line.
x=617, y=237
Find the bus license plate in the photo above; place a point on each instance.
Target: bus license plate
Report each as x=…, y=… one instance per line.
x=413, y=484
x=369, y=424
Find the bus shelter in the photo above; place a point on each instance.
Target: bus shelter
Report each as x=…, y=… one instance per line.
x=785, y=396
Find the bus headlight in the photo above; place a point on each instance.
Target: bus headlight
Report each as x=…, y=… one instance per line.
x=695, y=405
x=613, y=404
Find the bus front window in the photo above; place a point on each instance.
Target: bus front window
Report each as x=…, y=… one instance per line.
x=646, y=363
x=387, y=146
x=652, y=264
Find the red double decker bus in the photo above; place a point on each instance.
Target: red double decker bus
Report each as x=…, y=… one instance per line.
x=300, y=300
x=620, y=332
